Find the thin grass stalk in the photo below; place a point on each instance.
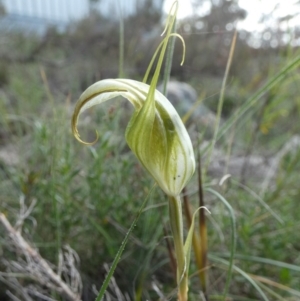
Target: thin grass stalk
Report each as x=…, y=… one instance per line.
x=83, y=212
x=196, y=104
x=145, y=268
x=221, y=99
x=268, y=261
x=202, y=231
x=272, y=283
x=259, y=199
x=52, y=188
x=282, y=182
x=232, y=242
x=121, y=249
x=277, y=78
x=234, y=297
x=271, y=292
x=229, y=150
x=253, y=138
x=241, y=272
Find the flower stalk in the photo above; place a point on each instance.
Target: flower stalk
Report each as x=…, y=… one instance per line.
x=175, y=213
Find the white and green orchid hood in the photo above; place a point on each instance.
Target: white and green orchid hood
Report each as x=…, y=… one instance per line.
x=155, y=132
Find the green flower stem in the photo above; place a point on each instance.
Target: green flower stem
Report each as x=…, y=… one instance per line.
x=175, y=213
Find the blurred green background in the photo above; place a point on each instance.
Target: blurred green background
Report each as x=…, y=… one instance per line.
x=86, y=197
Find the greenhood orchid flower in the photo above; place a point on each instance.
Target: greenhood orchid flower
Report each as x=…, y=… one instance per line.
x=158, y=138
x=155, y=132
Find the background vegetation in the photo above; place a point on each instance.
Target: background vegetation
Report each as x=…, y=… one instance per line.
x=86, y=197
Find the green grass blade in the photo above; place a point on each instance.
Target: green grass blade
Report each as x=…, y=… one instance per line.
x=275, y=295
x=276, y=263
x=221, y=100
x=271, y=292
x=189, y=239
x=240, y=271
x=256, y=96
x=92, y=221
x=233, y=238
x=232, y=297
x=121, y=249
x=259, y=199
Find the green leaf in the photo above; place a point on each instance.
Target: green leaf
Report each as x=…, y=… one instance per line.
x=189, y=239
x=233, y=239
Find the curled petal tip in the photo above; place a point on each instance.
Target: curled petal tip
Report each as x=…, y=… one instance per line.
x=76, y=133
x=77, y=136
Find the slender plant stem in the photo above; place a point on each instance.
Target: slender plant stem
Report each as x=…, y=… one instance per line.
x=175, y=213
x=52, y=170
x=203, y=232
x=121, y=249
x=233, y=240
x=121, y=45
x=221, y=100
x=253, y=138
